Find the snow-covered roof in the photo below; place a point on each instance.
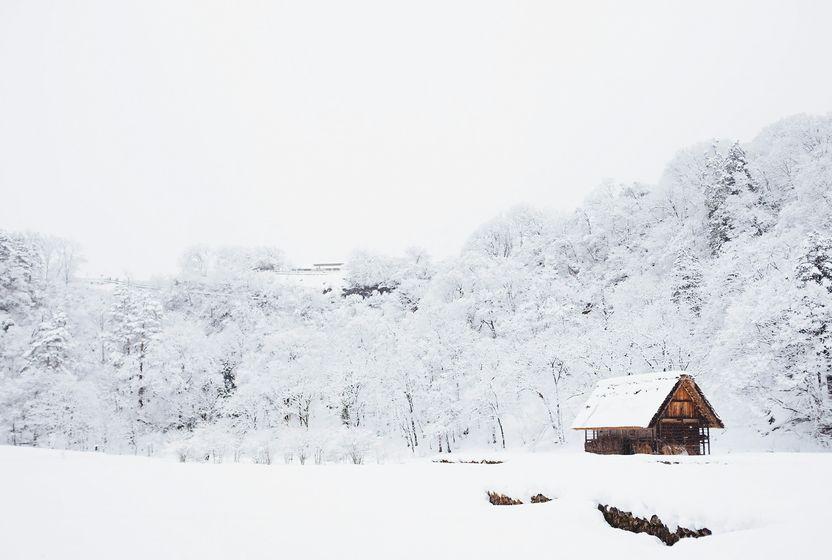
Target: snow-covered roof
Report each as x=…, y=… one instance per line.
x=626, y=402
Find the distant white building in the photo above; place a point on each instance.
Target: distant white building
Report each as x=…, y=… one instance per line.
x=323, y=275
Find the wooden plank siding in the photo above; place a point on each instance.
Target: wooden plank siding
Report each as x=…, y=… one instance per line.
x=681, y=405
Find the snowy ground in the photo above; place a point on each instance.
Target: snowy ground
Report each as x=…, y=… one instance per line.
x=57, y=504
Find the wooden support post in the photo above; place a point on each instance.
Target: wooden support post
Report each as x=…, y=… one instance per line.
x=708, y=435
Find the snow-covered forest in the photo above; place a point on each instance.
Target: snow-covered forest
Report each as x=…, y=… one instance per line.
x=723, y=268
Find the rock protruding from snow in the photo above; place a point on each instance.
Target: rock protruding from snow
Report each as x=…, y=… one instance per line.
x=498, y=499
x=627, y=521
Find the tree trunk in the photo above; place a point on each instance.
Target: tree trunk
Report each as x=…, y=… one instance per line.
x=141, y=375
x=502, y=433
x=552, y=421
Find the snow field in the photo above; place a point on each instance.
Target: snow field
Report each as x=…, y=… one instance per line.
x=81, y=505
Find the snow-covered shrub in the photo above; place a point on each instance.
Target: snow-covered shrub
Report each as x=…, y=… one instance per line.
x=355, y=444
x=261, y=446
x=209, y=442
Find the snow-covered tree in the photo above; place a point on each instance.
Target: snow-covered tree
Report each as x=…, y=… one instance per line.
x=723, y=268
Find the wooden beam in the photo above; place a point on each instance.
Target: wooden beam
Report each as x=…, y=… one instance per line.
x=612, y=428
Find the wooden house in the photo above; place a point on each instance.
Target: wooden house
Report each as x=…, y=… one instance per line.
x=664, y=413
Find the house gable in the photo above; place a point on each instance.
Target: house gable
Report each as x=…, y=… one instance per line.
x=686, y=401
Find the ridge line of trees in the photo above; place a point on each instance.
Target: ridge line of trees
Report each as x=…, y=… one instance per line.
x=724, y=269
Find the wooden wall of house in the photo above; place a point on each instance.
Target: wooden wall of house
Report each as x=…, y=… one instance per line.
x=680, y=435
x=624, y=441
x=681, y=405
x=679, y=424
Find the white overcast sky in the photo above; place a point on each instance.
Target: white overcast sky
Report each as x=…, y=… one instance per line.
x=139, y=128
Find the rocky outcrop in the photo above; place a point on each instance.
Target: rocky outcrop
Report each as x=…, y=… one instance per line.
x=498, y=499
x=627, y=521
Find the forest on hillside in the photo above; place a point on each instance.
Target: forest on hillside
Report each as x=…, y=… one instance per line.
x=723, y=268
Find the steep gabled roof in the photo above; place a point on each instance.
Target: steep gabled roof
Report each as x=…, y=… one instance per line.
x=636, y=401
